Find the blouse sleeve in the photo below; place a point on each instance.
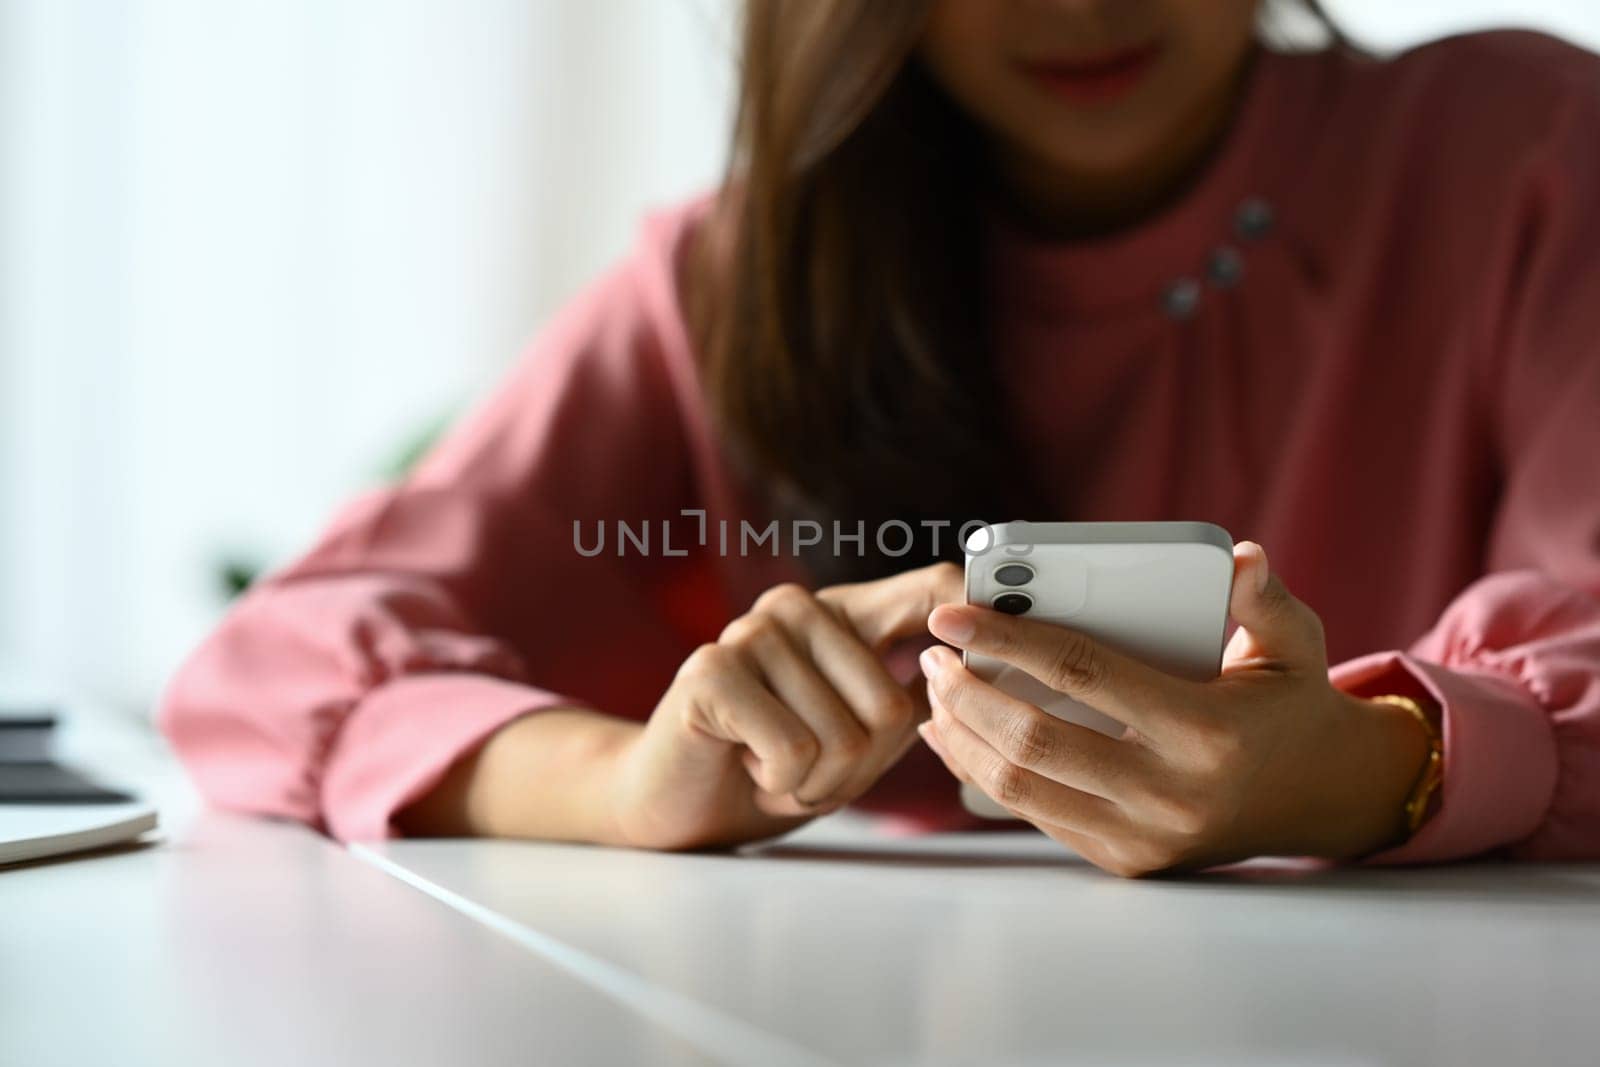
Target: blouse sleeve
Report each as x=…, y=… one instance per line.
x=339, y=690
x=1514, y=661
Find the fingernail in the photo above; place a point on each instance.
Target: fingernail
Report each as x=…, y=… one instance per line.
x=930, y=735
x=1264, y=572
x=930, y=662
x=951, y=624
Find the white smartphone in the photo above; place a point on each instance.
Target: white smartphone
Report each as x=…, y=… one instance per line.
x=1157, y=591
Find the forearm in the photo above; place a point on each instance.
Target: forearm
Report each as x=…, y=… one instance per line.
x=546, y=776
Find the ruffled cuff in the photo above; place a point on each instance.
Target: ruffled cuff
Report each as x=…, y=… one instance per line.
x=1499, y=755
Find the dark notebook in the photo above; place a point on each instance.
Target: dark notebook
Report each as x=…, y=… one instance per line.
x=26, y=735
x=28, y=774
x=51, y=783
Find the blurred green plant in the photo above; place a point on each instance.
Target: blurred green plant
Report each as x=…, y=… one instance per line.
x=236, y=572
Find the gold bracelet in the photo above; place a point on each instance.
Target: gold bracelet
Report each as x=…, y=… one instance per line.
x=1432, y=772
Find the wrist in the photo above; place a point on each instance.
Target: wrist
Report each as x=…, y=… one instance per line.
x=596, y=748
x=1375, y=758
x=610, y=775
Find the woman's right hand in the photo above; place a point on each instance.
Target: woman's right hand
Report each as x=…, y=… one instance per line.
x=790, y=714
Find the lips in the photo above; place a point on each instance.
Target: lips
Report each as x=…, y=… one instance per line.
x=1095, y=79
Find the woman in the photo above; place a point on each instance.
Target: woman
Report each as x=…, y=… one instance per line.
x=1094, y=260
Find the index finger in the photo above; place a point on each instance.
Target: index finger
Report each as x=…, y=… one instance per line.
x=889, y=609
x=1069, y=662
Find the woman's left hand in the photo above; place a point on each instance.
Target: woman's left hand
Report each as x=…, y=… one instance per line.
x=1266, y=759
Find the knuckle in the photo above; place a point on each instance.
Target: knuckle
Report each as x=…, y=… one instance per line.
x=754, y=630
x=785, y=598
x=1183, y=817
x=735, y=631
x=947, y=580
x=1076, y=666
x=1007, y=783
x=799, y=748
x=1124, y=868
x=705, y=662
x=1003, y=635
x=1028, y=739
x=1124, y=860
x=892, y=709
x=1155, y=858
x=1141, y=859
x=1181, y=853
x=1276, y=594
x=851, y=745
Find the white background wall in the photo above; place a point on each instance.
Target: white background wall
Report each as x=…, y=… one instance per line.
x=248, y=247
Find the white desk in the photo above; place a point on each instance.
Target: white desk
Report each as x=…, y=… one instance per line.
x=999, y=949
x=250, y=943
x=242, y=942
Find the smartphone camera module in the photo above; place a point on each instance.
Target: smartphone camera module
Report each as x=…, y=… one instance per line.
x=1013, y=574
x=1013, y=603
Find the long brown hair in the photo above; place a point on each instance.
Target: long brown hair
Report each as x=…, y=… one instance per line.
x=839, y=296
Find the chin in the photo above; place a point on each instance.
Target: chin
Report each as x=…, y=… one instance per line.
x=1098, y=161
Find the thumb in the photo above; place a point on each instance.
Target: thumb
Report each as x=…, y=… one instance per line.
x=1273, y=623
x=891, y=609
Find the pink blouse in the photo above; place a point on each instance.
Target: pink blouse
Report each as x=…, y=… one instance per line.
x=1368, y=338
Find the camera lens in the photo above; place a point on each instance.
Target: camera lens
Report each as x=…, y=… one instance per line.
x=1013, y=603
x=1013, y=574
